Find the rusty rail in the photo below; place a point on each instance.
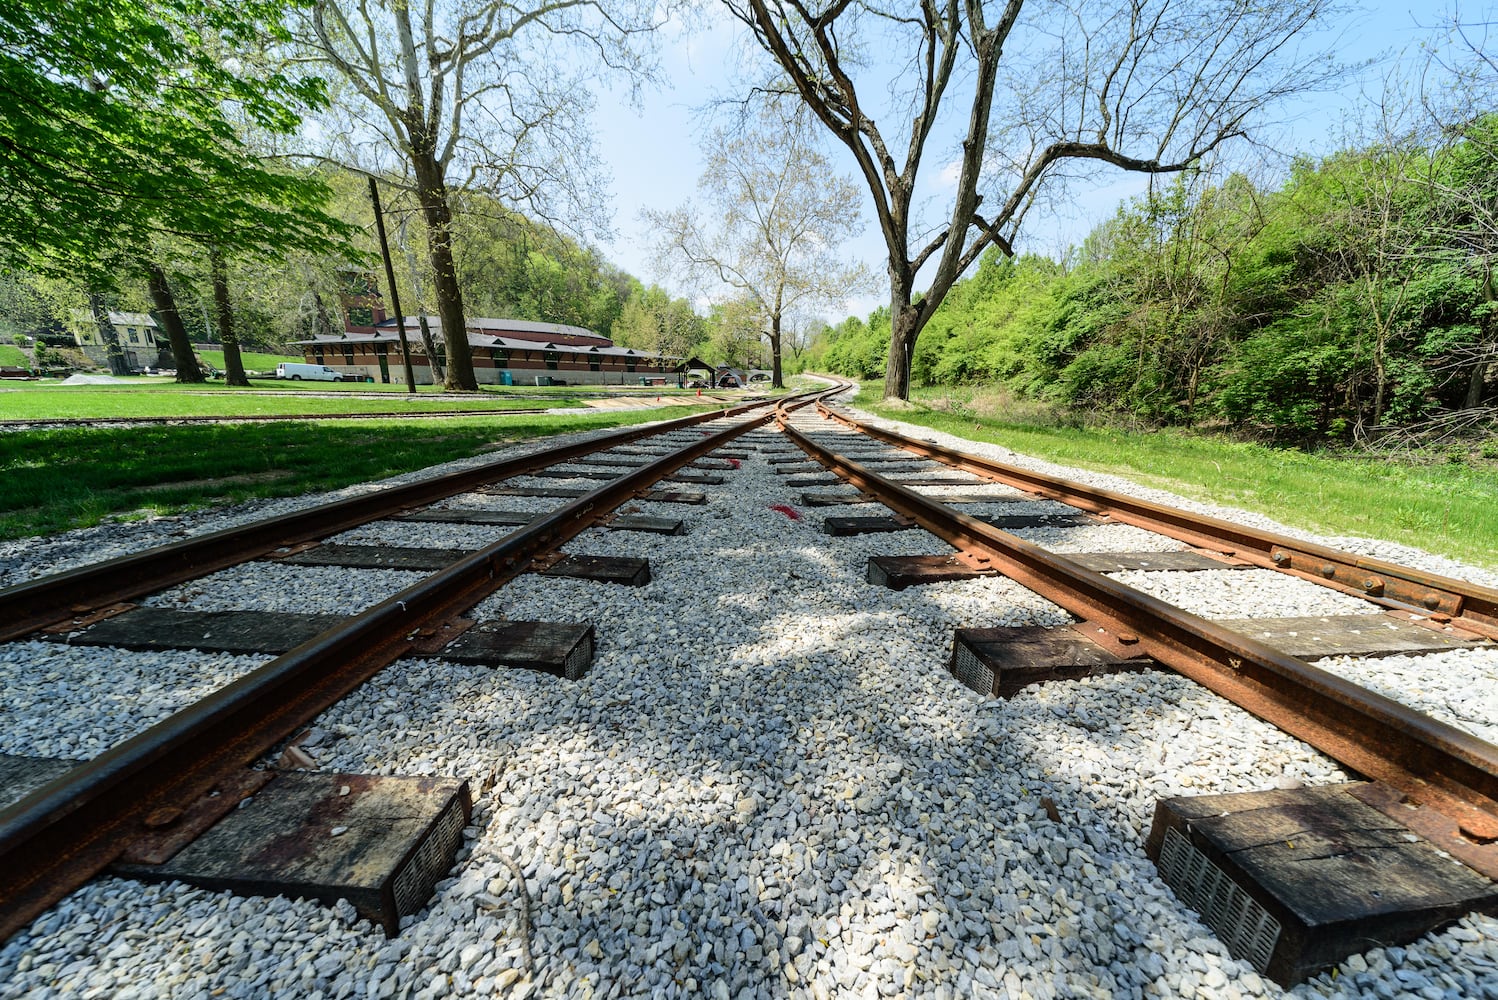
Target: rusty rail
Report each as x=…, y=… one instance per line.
x=1388, y=584
x=36, y=604
x=1433, y=765
x=62, y=834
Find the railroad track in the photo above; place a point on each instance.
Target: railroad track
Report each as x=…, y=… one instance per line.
x=64, y=833
x=1430, y=763
x=800, y=723
x=1433, y=778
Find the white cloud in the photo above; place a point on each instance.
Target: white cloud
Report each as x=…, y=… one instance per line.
x=946, y=180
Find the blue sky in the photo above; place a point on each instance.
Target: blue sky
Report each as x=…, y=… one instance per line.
x=652, y=150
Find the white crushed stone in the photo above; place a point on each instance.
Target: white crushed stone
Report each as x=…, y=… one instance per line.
x=767, y=786
x=1243, y=593
x=1099, y=538
x=270, y=586
x=1457, y=686
x=485, y=501
x=76, y=702
x=422, y=534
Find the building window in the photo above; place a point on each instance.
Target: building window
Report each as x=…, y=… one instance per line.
x=500, y=356
x=553, y=358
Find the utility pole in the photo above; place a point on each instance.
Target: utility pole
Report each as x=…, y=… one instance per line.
x=395, y=299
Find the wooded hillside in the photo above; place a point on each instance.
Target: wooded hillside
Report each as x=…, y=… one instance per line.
x=1356, y=297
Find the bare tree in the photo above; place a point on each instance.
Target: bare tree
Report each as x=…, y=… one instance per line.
x=477, y=93
x=773, y=218
x=1467, y=126
x=1024, y=93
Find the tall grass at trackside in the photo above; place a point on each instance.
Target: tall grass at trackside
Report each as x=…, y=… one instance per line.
x=1447, y=508
x=53, y=480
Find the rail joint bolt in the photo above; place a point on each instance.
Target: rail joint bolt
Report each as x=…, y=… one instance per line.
x=158, y=819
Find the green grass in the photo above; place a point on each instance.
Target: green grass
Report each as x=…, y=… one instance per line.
x=251, y=360
x=53, y=480
x=146, y=397
x=13, y=357
x=1451, y=509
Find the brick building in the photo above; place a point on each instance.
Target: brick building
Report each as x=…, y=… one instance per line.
x=504, y=350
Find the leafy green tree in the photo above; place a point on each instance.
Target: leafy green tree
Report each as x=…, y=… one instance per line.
x=653, y=321
x=735, y=332
x=510, y=266
x=112, y=131
x=114, y=134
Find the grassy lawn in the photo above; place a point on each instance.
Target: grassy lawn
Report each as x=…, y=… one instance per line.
x=53, y=480
x=251, y=360
x=1451, y=508
x=151, y=397
x=13, y=357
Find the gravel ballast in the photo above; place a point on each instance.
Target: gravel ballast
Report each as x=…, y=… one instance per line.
x=767, y=786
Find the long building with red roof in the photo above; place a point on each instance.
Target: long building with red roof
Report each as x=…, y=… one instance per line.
x=505, y=351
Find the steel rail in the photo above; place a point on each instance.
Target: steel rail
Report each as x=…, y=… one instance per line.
x=67, y=831
x=1433, y=764
x=49, y=600
x=1384, y=583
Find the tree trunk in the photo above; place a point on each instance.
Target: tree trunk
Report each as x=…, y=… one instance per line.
x=431, y=348
x=322, y=323
x=776, y=381
x=224, y=315
x=171, y=321
x=431, y=188
x=108, y=334
x=1475, y=379
x=904, y=326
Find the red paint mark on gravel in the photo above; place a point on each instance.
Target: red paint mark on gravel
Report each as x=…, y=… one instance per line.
x=735, y=462
x=787, y=510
